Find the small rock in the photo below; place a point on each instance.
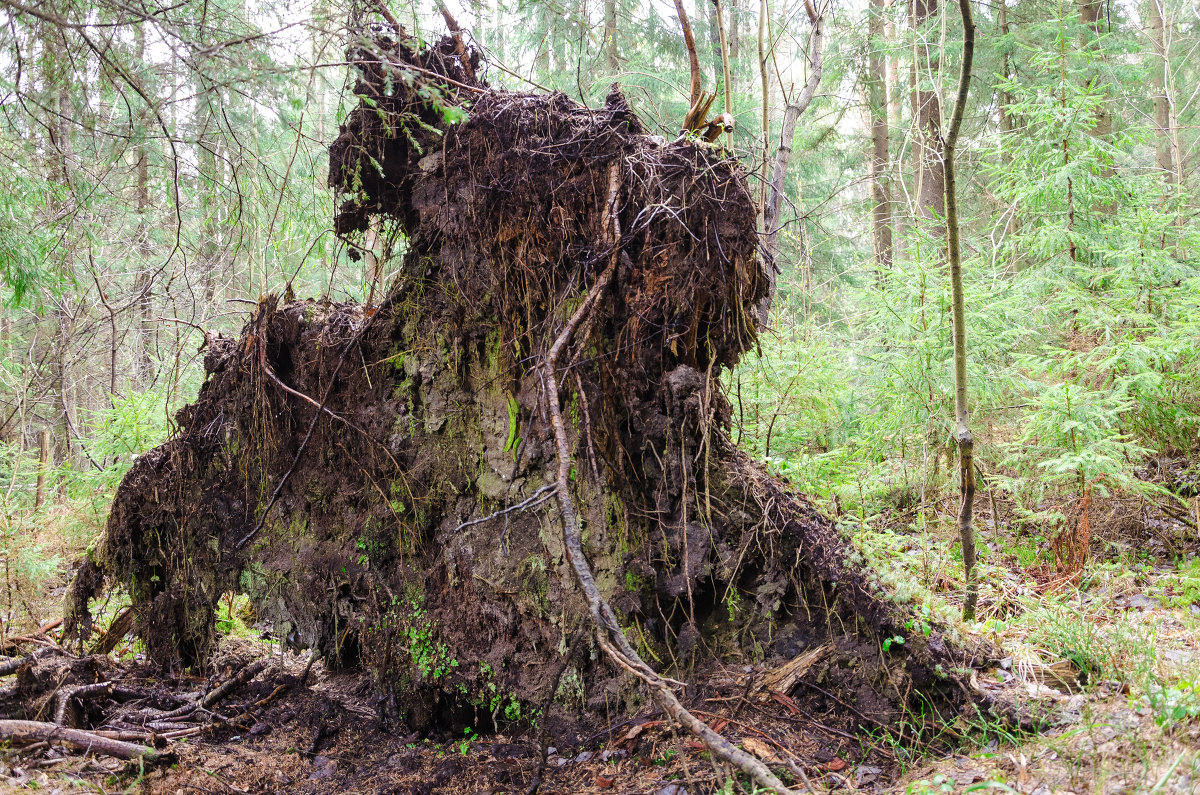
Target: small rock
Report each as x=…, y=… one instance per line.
x=325, y=768
x=866, y=774
x=672, y=789
x=584, y=757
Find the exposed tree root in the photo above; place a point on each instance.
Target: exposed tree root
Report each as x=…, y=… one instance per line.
x=572, y=291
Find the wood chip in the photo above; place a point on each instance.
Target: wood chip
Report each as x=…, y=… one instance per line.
x=784, y=677
x=763, y=751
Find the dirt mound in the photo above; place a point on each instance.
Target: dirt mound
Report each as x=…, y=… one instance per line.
x=379, y=480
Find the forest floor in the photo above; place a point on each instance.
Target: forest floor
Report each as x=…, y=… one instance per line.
x=1118, y=656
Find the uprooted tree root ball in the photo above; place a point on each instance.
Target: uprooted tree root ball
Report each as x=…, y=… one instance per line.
x=385, y=482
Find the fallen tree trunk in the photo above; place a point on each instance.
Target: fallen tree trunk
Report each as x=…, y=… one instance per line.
x=381, y=482
x=30, y=731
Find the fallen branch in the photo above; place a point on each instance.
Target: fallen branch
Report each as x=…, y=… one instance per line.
x=63, y=697
x=37, y=731
x=11, y=666
x=612, y=639
x=217, y=693
x=39, y=635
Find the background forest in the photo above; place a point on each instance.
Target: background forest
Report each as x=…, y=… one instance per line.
x=164, y=166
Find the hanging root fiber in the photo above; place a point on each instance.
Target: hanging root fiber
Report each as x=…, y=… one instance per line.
x=509, y=487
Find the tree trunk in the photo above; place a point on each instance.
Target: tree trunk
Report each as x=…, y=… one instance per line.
x=966, y=442
x=783, y=155
x=713, y=12
x=893, y=70
x=764, y=72
x=1005, y=101
x=1091, y=13
x=43, y=467
x=143, y=284
x=927, y=112
x=208, y=185
x=1164, y=149
x=610, y=36
x=881, y=224
x=726, y=77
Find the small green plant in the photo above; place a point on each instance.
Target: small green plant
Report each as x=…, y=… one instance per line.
x=895, y=640
x=496, y=700
x=733, y=602
x=464, y=745
x=936, y=786
x=431, y=658
x=1185, y=588
x=918, y=624
x=1176, y=704
x=232, y=611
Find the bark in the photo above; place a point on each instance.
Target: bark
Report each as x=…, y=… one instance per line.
x=893, y=70
x=726, y=79
x=764, y=71
x=734, y=27
x=881, y=225
x=1091, y=13
x=208, y=185
x=689, y=42
x=713, y=13
x=1005, y=101
x=143, y=283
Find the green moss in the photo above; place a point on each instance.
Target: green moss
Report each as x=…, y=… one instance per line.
x=514, y=413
